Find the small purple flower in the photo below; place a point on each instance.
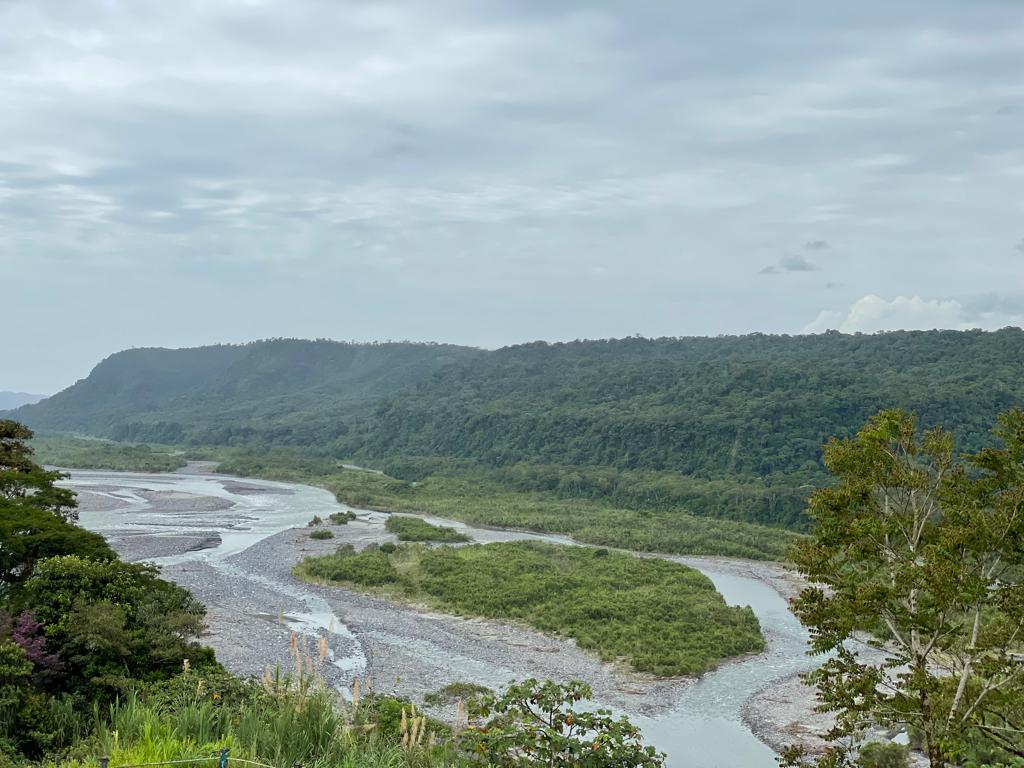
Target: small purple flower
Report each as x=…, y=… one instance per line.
x=27, y=632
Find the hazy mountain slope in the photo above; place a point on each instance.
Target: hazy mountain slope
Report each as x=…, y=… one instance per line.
x=228, y=393
x=9, y=400
x=752, y=405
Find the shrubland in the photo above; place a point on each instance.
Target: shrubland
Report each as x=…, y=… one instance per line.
x=82, y=453
x=657, y=616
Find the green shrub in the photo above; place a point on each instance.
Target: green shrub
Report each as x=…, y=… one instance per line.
x=315, y=521
x=369, y=568
x=534, y=724
x=879, y=754
x=342, y=518
x=321, y=533
x=388, y=547
x=453, y=692
x=416, y=529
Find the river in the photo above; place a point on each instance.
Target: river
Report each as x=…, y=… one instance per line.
x=225, y=516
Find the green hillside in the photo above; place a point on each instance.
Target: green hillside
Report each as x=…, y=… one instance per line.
x=282, y=390
x=728, y=427
x=751, y=405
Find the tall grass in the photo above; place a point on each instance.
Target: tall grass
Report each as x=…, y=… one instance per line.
x=287, y=720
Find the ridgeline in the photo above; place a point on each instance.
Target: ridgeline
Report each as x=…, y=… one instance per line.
x=728, y=427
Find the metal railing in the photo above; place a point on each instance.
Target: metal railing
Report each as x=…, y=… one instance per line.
x=222, y=762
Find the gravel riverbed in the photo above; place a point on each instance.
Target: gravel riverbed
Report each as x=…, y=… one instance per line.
x=254, y=604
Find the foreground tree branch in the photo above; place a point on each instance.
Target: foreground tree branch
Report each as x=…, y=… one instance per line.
x=925, y=554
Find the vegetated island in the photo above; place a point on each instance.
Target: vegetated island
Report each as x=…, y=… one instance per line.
x=659, y=617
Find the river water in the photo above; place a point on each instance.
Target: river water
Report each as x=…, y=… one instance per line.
x=704, y=727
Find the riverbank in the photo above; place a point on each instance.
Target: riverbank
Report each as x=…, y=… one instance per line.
x=237, y=561
x=254, y=603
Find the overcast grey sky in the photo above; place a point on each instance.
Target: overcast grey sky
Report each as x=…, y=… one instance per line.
x=179, y=173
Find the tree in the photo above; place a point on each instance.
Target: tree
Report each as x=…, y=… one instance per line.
x=114, y=622
x=29, y=534
x=21, y=479
x=923, y=557
x=533, y=723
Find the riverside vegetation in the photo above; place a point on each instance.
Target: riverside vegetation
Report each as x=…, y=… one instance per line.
x=921, y=550
x=658, y=616
x=479, y=498
x=644, y=512
x=415, y=529
x=65, y=451
x=101, y=657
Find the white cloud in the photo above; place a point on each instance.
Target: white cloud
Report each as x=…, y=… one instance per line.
x=873, y=313
x=262, y=154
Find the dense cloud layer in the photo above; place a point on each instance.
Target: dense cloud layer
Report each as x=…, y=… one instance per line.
x=489, y=172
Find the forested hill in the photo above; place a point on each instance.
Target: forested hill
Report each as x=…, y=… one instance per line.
x=751, y=406
x=276, y=390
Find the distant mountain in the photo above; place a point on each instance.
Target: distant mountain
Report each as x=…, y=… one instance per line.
x=753, y=406
x=9, y=400
x=282, y=390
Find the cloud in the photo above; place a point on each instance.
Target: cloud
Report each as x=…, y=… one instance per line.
x=797, y=263
x=790, y=263
x=872, y=313
x=448, y=170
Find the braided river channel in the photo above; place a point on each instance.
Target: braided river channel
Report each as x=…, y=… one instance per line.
x=232, y=541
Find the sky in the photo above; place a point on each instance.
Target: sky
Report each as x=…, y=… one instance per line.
x=487, y=173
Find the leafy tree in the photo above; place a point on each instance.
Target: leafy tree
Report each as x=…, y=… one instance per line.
x=533, y=723
x=926, y=556
x=21, y=479
x=29, y=534
x=114, y=622
x=15, y=676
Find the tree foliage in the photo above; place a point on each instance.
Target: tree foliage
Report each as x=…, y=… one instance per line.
x=927, y=556
x=542, y=724
x=77, y=626
x=24, y=481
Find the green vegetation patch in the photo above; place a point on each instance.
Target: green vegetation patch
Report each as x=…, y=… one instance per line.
x=416, y=529
x=453, y=692
x=479, y=502
x=82, y=453
x=661, y=617
x=369, y=568
x=321, y=533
